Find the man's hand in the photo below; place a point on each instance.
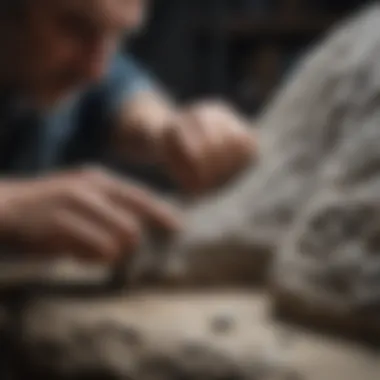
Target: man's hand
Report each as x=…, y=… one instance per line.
x=201, y=146
x=206, y=145
x=87, y=213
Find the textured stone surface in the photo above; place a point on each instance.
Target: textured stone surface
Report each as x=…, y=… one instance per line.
x=309, y=210
x=312, y=133
x=307, y=214
x=327, y=269
x=152, y=337
x=158, y=336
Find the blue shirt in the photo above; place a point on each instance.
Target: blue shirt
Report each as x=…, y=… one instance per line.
x=74, y=132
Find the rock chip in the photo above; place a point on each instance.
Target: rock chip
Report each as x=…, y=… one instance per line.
x=327, y=268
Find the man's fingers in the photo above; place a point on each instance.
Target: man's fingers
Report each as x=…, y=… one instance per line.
x=238, y=148
x=146, y=205
x=184, y=154
x=207, y=146
x=201, y=151
x=216, y=157
x=108, y=215
x=132, y=198
x=230, y=145
x=85, y=238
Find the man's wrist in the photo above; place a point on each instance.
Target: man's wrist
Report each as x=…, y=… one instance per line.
x=143, y=126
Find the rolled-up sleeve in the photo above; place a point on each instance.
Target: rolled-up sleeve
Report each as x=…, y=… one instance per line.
x=127, y=78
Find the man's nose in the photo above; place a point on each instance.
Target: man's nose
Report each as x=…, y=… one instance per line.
x=135, y=15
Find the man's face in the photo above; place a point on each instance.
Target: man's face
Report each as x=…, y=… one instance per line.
x=69, y=43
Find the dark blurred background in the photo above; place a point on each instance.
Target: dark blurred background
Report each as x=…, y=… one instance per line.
x=238, y=50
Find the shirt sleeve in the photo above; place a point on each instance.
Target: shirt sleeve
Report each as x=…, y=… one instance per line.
x=125, y=79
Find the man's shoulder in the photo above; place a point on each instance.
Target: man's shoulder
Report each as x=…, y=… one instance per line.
x=125, y=62
x=125, y=69
x=124, y=78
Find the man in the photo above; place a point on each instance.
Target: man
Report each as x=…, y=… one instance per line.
x=68, y=98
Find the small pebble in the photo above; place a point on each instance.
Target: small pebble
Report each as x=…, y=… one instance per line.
x=129, y=334
x=293, y=376
x=193, y=350
x=222, y=324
